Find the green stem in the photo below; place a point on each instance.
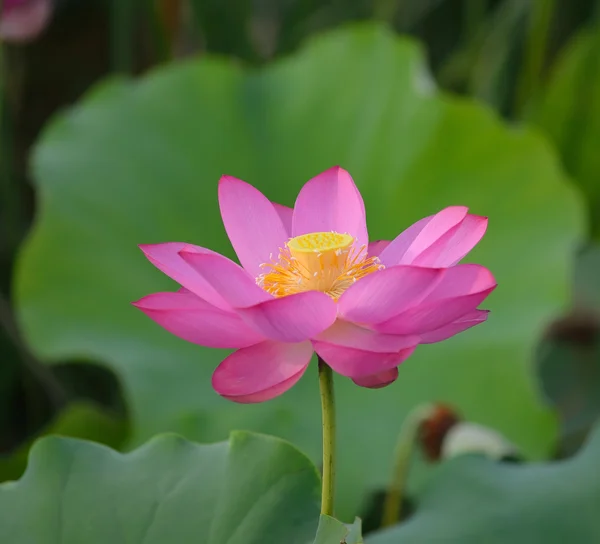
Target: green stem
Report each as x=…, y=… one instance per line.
x=328, y=410
x=392, y=506
x=540, y=18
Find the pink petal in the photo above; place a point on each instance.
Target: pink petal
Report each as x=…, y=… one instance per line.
x=261, y=372
x=293, y=318
x=285, y=214
x=356, y=363
x=461, y=290
x=331, y=202
x=343, y=333
x=253, y=225
x=462, y=324
x=9, y=5
x=455, y=244
x=356, y=352
x=408, y=245
x=462, y=279
x=167, y=259
x=384, y=294
x=377, y=381
x=392, y=254
x=195, y=320
x=21, y=22
x=236, y=286
x=375, y=248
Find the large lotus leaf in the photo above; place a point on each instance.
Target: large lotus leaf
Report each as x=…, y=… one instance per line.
x=139, y=163
x=569, y=112
x=253, y=489
x=473, y=500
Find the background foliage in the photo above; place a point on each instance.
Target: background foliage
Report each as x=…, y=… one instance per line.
x=119, y=119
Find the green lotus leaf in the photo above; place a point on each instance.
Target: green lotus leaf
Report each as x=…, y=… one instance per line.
x=251, y=490
x=472, y=500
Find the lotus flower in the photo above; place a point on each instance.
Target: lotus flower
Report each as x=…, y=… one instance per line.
x=310, y=281
x=23, y=20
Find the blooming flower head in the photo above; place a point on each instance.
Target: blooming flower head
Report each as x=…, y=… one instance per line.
x=310, y=281
x=23, y=20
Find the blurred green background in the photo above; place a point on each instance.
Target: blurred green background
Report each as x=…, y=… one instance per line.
x=118, y=119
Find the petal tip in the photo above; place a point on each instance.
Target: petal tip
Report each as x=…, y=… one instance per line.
x=142, y=303
x=226, y=180
x=491, y=279
x=337, y=170
x=482, y=220
x=483, y=224
x=460, y=210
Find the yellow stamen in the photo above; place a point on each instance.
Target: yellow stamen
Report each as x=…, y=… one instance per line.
x=319, y=261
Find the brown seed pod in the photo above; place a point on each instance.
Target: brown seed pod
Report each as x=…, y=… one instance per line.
x=433, y=430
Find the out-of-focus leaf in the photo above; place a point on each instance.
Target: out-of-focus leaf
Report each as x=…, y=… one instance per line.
x=569, y=369
x=569, y=112
x=141, y=166
x=473, y=500
x=251, y=490
x=332, y=531
x=79, y=420
x=490, y=78
x=568, y=359
x=541, y=15
x=586, y=281
x=225, y=26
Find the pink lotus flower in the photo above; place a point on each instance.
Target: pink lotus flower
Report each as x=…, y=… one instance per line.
x=310, y=281
x=23, y=20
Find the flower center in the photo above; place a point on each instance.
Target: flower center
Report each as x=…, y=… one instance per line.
x=319, y=261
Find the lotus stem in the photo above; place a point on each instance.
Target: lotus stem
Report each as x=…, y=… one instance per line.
x=328, y=411
x=392, y=506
